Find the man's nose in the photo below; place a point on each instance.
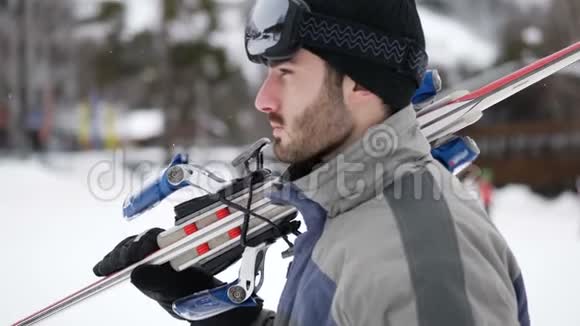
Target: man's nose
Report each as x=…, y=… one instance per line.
x=268, y=97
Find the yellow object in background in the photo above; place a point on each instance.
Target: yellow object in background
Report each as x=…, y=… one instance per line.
x=111, y=136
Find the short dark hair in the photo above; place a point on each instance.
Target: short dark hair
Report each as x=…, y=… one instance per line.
x=333, y=82
x=333, y=77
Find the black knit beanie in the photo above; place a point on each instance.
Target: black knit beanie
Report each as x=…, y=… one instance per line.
x=395, y=18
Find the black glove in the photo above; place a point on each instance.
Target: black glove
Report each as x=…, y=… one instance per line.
x=164, y=285
x=128, y=252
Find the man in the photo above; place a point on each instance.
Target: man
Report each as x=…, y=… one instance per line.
x=390, y=240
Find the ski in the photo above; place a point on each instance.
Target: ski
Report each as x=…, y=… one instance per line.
x=208, y=229
x=443, y=114
x=189, y=245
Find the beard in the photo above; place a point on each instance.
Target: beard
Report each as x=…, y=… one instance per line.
x=323, y=126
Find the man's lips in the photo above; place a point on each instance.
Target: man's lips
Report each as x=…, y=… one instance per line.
x=276, y=126
x=276, y=129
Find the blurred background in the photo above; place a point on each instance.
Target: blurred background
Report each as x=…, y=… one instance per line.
x=92, y=75
x=126, y=82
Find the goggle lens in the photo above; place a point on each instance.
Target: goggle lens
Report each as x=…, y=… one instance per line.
x=265, y=26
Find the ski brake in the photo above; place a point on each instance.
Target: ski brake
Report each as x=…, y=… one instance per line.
x=240, y=293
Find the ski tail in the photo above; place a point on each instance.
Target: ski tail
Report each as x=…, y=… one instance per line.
x=528, y=75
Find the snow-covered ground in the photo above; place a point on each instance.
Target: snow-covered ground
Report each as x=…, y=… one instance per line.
x=58, y=221
x=545, y=237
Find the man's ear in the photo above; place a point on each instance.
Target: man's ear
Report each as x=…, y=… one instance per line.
x=356, y=95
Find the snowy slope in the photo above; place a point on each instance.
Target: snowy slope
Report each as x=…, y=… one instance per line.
x=545, y=237
x=56, y=228
x=63, y=221
x=451, y=44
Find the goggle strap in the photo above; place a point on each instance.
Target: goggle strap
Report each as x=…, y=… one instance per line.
x=399, y=53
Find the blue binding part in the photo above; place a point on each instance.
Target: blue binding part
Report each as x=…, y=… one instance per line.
x=152, y=194
x=430, y=85
x=456, y=152
x=208, y=303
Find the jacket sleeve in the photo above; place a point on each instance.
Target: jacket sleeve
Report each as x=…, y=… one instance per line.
x=266, y=318
x=380, y=296
x=397, y=291
x=386, y=297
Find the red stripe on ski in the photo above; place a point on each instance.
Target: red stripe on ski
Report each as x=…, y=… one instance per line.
x=490, y=88
x=190, y=229
x=202, y=249
x=223, y=213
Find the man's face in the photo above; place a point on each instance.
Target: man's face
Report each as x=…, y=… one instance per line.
x=305, y=107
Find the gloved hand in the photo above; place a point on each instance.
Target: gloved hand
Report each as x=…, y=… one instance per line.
x=163, y=284
x=128, y=252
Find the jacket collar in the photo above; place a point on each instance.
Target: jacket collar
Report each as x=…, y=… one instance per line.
x=365, y=168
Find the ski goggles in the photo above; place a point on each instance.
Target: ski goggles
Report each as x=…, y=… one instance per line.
x=277, y=29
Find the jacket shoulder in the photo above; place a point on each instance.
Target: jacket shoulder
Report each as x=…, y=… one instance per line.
x=420, y=244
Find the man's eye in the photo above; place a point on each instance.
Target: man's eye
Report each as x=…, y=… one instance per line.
x=285, y=71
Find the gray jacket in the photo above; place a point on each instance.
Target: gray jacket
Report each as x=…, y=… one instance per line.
x=394, y=239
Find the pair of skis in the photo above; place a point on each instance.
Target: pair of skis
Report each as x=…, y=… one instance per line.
x=209, y=229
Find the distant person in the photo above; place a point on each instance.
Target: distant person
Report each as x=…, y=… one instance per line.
x=486, y=189
x=33, y=129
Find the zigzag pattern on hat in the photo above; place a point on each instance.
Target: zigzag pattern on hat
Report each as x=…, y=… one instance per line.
x=367, y=43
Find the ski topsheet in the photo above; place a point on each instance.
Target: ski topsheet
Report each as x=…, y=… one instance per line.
x=214, y=231
x=435, y=119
